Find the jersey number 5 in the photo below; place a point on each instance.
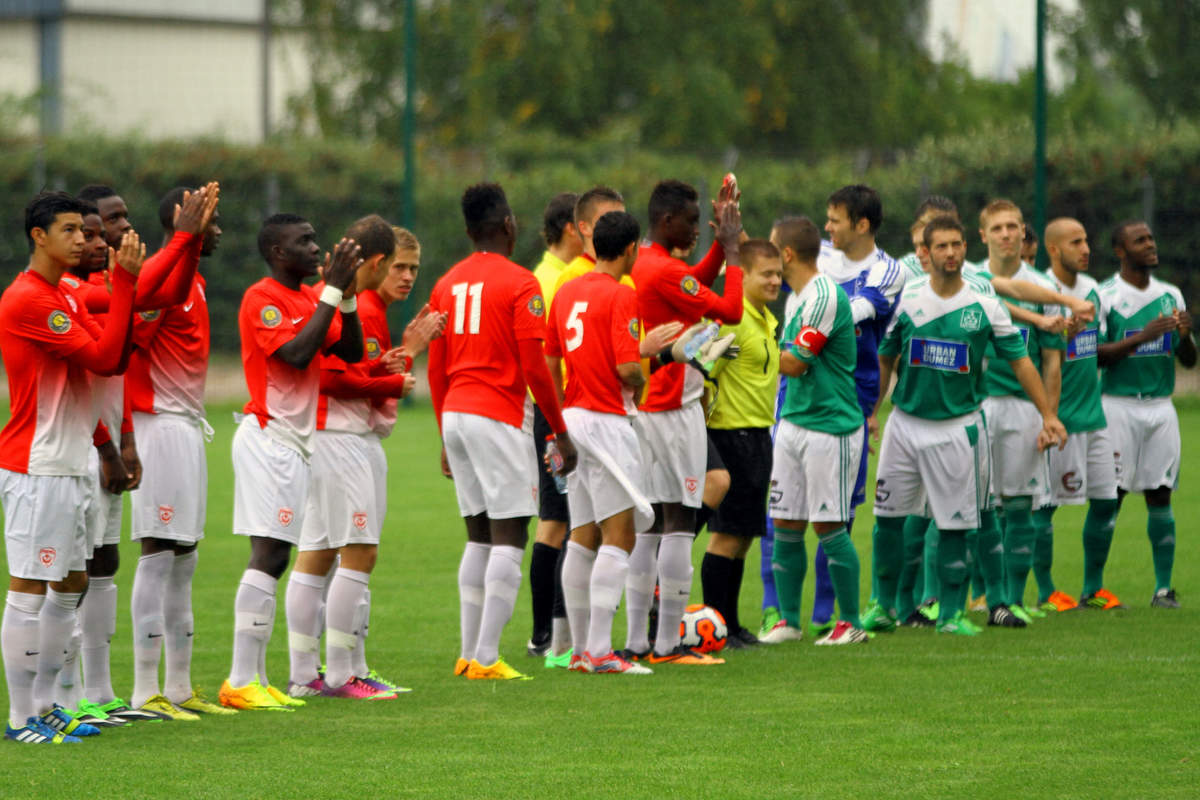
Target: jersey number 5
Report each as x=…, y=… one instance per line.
x=575, y=325
x=460, y=292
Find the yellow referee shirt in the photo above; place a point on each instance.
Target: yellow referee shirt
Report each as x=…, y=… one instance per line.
x=749, y=383
x=547, y=274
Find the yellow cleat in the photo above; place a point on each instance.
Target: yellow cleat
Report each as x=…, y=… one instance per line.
x=168, y=710
x=251, y=697
x=494, y=672
x=460, y=666
x=200, y=704
x=284, y=699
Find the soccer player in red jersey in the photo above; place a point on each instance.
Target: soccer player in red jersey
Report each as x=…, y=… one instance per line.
x=50, y=346
x=478, y=374
x=594, y=328
x=284, y=325
x=671, y=425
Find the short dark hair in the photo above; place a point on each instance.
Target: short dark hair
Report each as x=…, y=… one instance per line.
x=166, y=206
x=374, y=235
x=89, y=208
x=801, y=234
x=860, y=202
x=936, y=202
x=96, y=191
x=272, y=227
x=670, y=197
x=484, y=208
x=943, y=222
x=559, y=213
x=1118, y=234
x=614, y=231
x=1030, y=236
x=45, y=207
x=752, y=251
x=587, y=202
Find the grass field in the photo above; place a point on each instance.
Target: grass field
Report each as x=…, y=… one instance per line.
x=1080, y=705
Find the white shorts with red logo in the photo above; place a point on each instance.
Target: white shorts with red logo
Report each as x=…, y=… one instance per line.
x=1084, y=469
x=45, y=526
x=170, y=503
x=608, y=477
x=348, y=496
x=674, y=454
x=813, y=473
x=270, y=485
x=494, y=466
x=1145, y=441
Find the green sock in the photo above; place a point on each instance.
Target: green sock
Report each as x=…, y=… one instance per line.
x=929, y=561
x=789, y=563
x=1160, y=527
x=887, y=558
x=1097, y=539
x=843, y=573
x=910, y=571
x=1043, y=551
x=989, y=547
x=953, y=568
x=1018, y=545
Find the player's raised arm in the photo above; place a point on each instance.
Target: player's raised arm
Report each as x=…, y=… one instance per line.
x=339, y=277
x=170, y=271
x=349, y=347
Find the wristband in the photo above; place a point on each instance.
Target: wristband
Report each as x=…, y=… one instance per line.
x=348, y=305
x=408, y=364
x=331, y=295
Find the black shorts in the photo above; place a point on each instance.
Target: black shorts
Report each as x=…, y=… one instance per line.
x=552, y=506
x=712, y=459
x=746, y=453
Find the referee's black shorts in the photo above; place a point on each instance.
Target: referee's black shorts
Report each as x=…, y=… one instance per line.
x=746, y=453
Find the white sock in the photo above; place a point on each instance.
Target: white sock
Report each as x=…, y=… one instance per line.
x=639, y=590
x=302, y=605
x=19, y=643
x=149, y=627
x=560, y=635
x=674, y=587
x=55, y=623
x=180, y=627
x=608, y=581
x=576, y=579
x=471, y=572
x=97, y=624
x=502, y=581
x=70, y=685
x=358, y=658
x=253, y=618
x=342, y=615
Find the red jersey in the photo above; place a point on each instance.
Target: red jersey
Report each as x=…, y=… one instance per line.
x=493, y=303
x=283, y=398
x=668, y=290
x=170, y=361
x=594, y=327
x=358, y=414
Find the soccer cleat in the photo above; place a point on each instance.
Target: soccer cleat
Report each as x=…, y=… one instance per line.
x=1034, y=611
x=917, y=619
x=1100, y=600
x=283, y=699
x=1002, y=617
x=580, y=663
x=634, y=655
x=970, y=625
x=34, y=731
x=460, y=666
x=930, y=609
x=161, y=705
x=538, y=646
x=494, y=672
x=381, y=683
x=844, y=633
x=782, y=632
x=356, y=689
x=1163, y=598
x=746, y=636
x=770, y=617
x=251, y=697
x=613, y=663
x=955, y=626
x=1021, y=613
x=562, y=661
x=59, y=719
x=877, y=618
x=119, y=710
x=978, y=604
x=685, y=656
x=200, y=704
x=311, y=689
x=818, y=630
x=92, y=714
x=1059, y=601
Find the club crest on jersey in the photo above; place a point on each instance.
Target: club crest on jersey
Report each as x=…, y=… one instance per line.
x=360, y=519
x=372, y=347
x=971, y=319
x=634, y=329
x=271, y=317
x=690, y=285
x=150, y=316
x=166, y=514
x=537, y=306
x=59, y=321
x=47, y=555
x=285, y=517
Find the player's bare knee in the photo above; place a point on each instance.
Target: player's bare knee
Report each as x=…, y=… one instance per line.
x=269, y=555
x=1157, y=498
x=74, y=583
x=359, y=557
x=512, y=532
x=105, y=561
x=716, y=486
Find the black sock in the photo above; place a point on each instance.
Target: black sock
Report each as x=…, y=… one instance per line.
x=542, y=566
x=715, y=574
x=732, y=621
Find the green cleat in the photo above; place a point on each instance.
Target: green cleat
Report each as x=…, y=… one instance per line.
x=559, y=662
x=1021, y=613
x=956, y=626
x=930, y=609
x=818, y=629
x=878, y=619
x=771, y=617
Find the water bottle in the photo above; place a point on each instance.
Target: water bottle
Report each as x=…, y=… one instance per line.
x=700, y=339
x=555, y=460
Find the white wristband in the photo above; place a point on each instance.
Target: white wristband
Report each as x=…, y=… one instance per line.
x=349, y=305
x=331, y=295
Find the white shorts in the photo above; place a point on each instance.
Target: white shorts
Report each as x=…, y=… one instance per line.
x=1145, y=440
x=942, y=462
x=607, y=478
x=1084, y=469
x=813, y=473
x=348, y=496
x=494, y=466
x=270, y=485
x=45, y=526
x=103, y=516
x=1019, y=469
x=171, y=501
x=674, y=453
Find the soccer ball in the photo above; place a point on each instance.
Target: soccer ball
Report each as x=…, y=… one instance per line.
x=702, y=628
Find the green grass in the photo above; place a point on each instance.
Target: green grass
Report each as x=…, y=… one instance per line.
x=1081, y=705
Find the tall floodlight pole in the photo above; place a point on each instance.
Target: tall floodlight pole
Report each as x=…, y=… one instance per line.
x=1039, y=132
x=410, y=115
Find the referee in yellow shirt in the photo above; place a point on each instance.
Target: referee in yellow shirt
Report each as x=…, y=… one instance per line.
x=740, y=428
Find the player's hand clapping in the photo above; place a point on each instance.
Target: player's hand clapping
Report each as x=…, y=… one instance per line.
x=196, y=210
x=131, y=255
x=659, y=337
x=341, y=266
x=426, y=326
